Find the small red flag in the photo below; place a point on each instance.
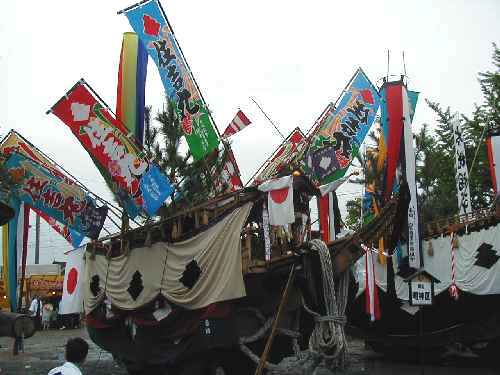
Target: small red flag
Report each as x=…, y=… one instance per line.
x=239, y=122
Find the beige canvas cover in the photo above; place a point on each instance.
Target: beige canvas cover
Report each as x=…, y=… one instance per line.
x=159, y=268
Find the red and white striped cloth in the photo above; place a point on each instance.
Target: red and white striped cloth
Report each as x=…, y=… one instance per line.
x=239, y=122
x=453, y=289
x=229, y=177
x=372, y=304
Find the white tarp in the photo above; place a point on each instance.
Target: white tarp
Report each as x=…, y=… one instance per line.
x=476, y=248
x=193, y=273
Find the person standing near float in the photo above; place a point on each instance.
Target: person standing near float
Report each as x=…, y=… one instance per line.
x=35, y=310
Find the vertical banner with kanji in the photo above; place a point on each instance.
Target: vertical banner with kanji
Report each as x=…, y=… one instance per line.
x=414, y=246
x=341, y=131
x=462, y=174
x=150, y=24
x=105, y=140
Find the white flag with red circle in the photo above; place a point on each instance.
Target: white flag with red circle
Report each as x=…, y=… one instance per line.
x=72, y=298
x=280, y=200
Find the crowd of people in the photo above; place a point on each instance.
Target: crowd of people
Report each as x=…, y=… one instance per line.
x=46, y=315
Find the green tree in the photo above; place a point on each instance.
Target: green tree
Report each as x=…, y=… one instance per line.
x=353, y=218
x=194, y=180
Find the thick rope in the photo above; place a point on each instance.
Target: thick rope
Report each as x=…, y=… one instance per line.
x=328, y=338
x=327, y=344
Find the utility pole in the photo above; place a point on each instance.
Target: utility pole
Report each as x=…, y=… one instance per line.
x=37, y=240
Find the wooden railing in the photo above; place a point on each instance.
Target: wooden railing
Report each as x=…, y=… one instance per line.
x=478, y=218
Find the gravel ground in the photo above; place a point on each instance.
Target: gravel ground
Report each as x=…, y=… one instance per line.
x=45, y=350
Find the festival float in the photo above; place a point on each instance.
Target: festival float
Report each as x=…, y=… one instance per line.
x=239, y=282
x=233, y=283
x=458, y=251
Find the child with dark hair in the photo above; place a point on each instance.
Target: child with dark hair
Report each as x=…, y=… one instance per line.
x=76, y=352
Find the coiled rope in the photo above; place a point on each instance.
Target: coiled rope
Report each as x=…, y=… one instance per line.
x=328, y=338
x=327, y=344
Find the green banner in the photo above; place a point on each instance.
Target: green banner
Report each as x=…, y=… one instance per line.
x=150, y=23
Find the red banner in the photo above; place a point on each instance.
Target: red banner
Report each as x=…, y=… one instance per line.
x=282, y=156
x=104, y=138
x=229, y=179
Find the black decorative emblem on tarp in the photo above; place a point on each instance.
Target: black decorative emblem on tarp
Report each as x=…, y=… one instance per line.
x=136, y=287
x=94, y=285
x=191, y=274
x=486, y=256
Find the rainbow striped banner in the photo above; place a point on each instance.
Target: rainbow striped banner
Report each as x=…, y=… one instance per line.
x=130, y=99
x=9, y=252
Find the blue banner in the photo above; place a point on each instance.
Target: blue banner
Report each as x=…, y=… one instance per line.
x=336, y=141
x=55, y=196
x=151, y=25
x=156, y=188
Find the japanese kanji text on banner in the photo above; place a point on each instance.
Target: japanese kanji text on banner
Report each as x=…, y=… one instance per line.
x=341, y=131
x=152, y=27
x=51, y=194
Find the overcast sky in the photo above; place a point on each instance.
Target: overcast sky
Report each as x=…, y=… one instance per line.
x=294, y=57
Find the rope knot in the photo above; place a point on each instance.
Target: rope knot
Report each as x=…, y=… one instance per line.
x=339, y=319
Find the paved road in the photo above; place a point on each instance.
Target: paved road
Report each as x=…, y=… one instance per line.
x=45, y=350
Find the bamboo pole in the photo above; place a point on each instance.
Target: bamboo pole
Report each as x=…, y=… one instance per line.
x=276, y=321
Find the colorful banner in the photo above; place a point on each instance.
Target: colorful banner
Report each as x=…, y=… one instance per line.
x=130, y=99
x=156, y=188
x=14, y=142
x=43, y=190
x=414, y=249
x=5, y=259
x=341, y=131
x=116, y=156
x=239, y=122
x=152, y=27
x=9, y=251
x=229, y=179
x=392, y=130
x=462, y=174
x=70, y=235
x=281, y=158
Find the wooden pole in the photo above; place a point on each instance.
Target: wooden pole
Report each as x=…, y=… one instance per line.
x=276, y=321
